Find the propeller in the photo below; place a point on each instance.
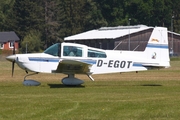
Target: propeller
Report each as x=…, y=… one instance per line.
x=13, y=62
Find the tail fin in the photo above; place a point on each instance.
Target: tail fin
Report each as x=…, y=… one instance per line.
x=157, y=49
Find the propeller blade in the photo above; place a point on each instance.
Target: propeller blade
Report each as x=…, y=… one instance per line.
x=13, y=67
x=13, y=60
x=14, y=48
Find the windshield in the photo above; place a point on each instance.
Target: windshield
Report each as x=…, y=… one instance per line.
x=54, y=50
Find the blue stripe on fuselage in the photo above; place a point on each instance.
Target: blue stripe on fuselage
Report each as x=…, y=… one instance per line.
x=37, y=59
x=163, y=46
x=137, y=64
x=89, y=61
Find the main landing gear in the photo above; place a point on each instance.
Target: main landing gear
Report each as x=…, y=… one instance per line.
x=71, y=80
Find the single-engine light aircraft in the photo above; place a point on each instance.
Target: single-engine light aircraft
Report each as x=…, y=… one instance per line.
x=72, y=58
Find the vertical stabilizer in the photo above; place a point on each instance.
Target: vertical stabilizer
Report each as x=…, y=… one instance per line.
x=157, y=49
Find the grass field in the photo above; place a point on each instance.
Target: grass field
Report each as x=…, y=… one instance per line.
x=148, y=95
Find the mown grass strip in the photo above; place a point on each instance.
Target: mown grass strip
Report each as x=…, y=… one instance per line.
x=137, y=96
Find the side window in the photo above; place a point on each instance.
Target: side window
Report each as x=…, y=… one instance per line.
x=96, y=54
x=72, y=51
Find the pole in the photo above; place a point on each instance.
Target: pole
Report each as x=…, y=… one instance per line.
x=26, y=47
x=172, y=49
x=129, y=34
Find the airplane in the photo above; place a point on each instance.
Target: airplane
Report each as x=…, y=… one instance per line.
x=72, y=58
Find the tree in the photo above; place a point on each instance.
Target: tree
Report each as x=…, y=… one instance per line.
x=51, y=22
x=139, y=11
x=32, y=42
x=112, y=11
x=71, y=17
x=75, y=16
x=5, y=11
x=27, y=15
x=94, y=18
x=161, y=13
x=175, y=15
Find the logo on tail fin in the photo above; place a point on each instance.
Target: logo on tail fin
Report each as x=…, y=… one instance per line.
x=154, y=55
x=154, y=40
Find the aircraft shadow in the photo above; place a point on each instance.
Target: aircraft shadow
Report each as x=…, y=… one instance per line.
x=65, y=86
x=155, y=85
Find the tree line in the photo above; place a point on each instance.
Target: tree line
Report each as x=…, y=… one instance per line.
x=41, y=23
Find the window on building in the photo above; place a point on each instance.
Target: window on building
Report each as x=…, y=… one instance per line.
x=96, y=54
x=11, y=44
x=72, y=51
x=1, y=45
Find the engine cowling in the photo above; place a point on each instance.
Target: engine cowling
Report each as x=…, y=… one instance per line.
x=71, y=81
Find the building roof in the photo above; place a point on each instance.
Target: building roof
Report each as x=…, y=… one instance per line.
x=8, y=36
x=108, y=32
x=174, y=33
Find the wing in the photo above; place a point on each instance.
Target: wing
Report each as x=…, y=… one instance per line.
x=68, y=66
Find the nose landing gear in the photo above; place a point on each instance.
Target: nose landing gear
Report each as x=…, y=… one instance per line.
x=29, y=82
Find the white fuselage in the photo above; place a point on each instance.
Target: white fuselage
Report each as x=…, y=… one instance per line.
x=116, y=61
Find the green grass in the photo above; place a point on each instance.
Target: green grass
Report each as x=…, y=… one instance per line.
x=145, y=95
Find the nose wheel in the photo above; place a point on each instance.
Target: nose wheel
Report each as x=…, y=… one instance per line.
x=30, y=82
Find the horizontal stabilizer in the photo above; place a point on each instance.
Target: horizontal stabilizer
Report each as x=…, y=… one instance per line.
x=154, y=65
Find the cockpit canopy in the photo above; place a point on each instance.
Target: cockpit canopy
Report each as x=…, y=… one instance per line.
x=74, y=50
